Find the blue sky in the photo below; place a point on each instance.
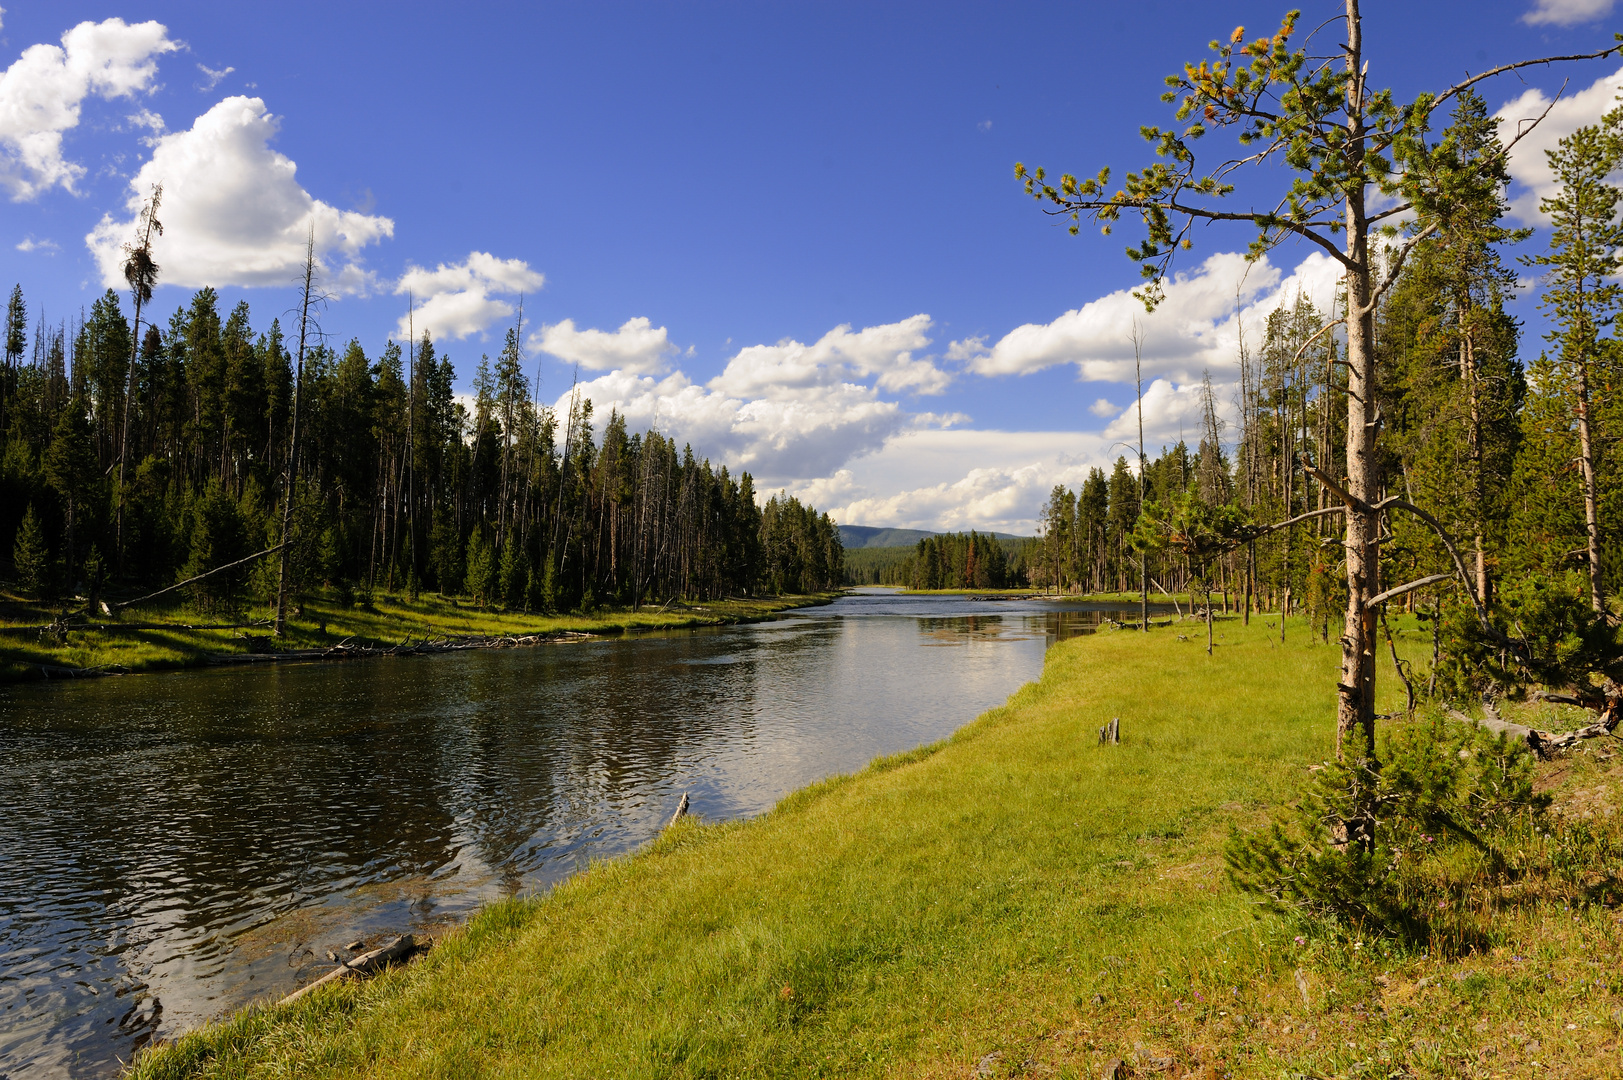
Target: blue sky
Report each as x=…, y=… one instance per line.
x=696, y=198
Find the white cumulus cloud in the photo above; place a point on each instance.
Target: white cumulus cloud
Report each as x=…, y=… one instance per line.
x=780, y=440
x=233, y=210
x=458, y=299
x=1171, y=413
x=935, y=479
x=1195, y=328
x=42, y=92
x=885, y=352
x=1528, y=164
x=1566, y=12
x=788, y=412
x=638, y=346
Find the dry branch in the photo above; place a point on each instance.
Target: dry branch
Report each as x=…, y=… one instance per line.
x=681, y=810
x=398, y=949
x=1544, y=743
x=194, y=580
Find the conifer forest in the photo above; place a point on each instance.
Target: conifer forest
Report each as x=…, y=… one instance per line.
x=1512, y=442
x=131, y=465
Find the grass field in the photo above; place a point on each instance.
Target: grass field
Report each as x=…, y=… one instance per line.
x=1126, y=600
x=322, y=623
x=1016, y=900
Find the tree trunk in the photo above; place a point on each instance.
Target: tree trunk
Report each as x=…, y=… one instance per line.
x=1586, y=459
x=293, y=439
x=1355, y=694
x=1469, y=376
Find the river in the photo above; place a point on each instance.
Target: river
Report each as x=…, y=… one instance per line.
x=175, y=846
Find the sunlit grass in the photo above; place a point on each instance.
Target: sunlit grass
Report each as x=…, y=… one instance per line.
x=322, y=623
x=1017, y=890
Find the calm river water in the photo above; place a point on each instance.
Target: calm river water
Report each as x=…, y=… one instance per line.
x=175, y=846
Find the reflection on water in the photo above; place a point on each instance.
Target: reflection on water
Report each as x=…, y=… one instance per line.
x=172, y=847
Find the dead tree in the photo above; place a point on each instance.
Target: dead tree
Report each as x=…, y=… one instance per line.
x=307, y=297
x=142, y=273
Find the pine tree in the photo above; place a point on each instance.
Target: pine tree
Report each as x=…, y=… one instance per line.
x=1582, y=295
x=16, y=343
x=219, y=537
x=482, y=568
x=31, y=555
x=1346, y=143
x=70, y=468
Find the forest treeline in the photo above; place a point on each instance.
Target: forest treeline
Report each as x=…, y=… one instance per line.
x=1521, y=462
x=971, y=560
x=400, y=485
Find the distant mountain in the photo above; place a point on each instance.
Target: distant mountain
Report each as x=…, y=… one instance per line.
x=868, y=536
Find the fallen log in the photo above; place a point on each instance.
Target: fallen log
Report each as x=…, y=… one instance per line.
x=365, y=964
x=1543, y=743
x=55, y=671
x=64, y=627
x=194, y=580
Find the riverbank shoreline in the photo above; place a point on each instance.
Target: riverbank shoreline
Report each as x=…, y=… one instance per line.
x=326, y=629
x=1005, y=901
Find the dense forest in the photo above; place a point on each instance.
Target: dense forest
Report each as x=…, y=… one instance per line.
x=1521, y=462
x=969, y=560
x=399, y=485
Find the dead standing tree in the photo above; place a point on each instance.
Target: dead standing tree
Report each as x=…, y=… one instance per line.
x=1344, y=143
x=307, y=297
x=141, y=271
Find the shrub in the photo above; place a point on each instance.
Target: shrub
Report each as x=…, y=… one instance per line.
x=1363, y=847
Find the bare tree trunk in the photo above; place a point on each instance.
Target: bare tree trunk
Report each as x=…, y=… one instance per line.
x=1355, y=704
x=293, y=434
x=411, y=443
x=1586, y=457
x=1143, y=564
x=1473, y=398
x=142, y=274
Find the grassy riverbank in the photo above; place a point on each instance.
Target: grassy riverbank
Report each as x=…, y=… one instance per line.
x=1044, y=594
x=1016, y=900
x=150, y=641
x=1128, y=601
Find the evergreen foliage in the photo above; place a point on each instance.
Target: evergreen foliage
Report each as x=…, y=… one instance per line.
x=31, y=555
x=969, y=560
x=398, y=487
x=1444, y=791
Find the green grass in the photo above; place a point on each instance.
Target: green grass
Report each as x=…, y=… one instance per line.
x=324, y=622
x=1016, y=890
x=1127, y=600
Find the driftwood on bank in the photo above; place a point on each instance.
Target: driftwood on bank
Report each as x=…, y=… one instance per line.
x=367, y=963
x=1544, y=743
x=67, y=626
x=681, y=810
x=349, y=649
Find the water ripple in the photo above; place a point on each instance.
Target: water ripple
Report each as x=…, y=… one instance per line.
x=172, y=847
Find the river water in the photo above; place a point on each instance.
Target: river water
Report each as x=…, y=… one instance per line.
x=175, y=846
